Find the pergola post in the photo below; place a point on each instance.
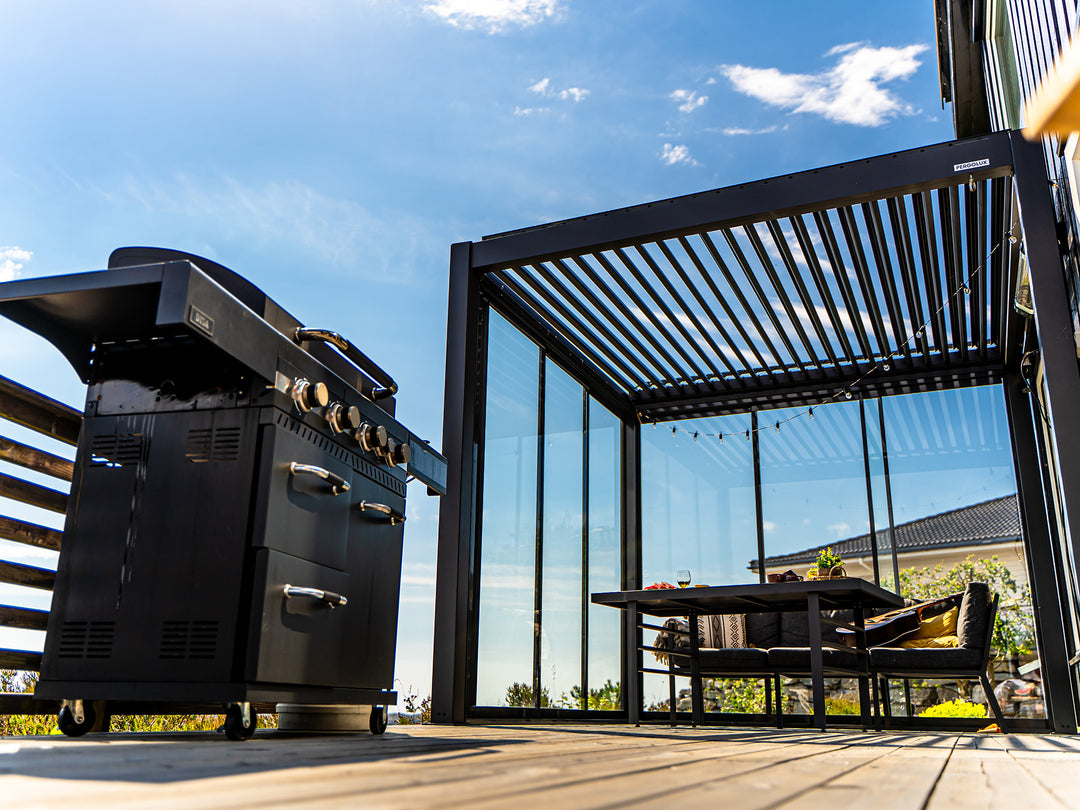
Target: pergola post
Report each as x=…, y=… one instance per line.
x=1053, y=324
x=457, y=512
x=1049, y=605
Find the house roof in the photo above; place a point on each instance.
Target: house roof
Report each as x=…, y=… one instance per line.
x=993, y=521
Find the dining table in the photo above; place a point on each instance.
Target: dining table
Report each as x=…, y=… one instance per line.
x=810, y=595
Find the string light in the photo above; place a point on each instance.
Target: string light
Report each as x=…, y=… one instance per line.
x=811, y=414
x=777, y=427
x=720, y=436
x=748, y=435
x=695, y=435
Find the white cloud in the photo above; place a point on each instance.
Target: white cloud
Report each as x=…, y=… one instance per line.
x=674, y=154
x=11, y=259
x=744, y=131
x=494, y=15
x=849, y=93
x=839, y=530
x=689, y=99
x=768, y=525
x=525, y=111
x=543, y=88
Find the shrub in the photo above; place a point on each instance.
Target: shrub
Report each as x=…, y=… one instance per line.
x=955, y=708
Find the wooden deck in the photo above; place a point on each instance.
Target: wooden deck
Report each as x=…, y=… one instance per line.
x=553, y=767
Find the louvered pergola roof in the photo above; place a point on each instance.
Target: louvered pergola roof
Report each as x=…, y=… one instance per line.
x=890, y=274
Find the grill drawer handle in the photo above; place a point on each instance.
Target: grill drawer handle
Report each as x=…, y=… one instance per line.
x=358, y=358
x=332, y=599
x=336, y=482
x=395, y=517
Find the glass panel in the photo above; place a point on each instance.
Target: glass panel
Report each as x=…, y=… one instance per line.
x=697, y=511
x=562, y=571
x=508, y=529
x=877, y=450
x=813, y=484
x=954, y=502
x=605, y=537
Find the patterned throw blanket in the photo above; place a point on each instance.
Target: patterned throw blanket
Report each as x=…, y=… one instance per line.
x=676, y=633
x=725, y=631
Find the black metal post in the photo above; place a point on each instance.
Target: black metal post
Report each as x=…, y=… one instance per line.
x=585, y=587
x=538, y=564
x=1048, y=603
x=1053, y=325
x=631, y=568
x=757, y=498
x=888, y=495
x=869, y=491
x=457, y=510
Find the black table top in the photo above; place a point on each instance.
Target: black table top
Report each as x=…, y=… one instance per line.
x=767, y=597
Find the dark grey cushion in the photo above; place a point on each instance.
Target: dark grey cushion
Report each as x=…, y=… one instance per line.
x=763, y=629
x=974, y=614
x=794, y=629
x=793, y=660
x=716, y=662
x=923, y=660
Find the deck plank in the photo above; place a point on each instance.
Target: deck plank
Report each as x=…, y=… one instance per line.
x=549, y=767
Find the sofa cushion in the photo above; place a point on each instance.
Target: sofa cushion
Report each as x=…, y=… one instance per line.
x=794, y=629
x=722, y=630
x=716, y=662
x=763, y=629
x=974, y=613
x=924, y=661
x=792, y=660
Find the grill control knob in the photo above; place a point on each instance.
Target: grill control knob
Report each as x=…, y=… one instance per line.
x=372, y=438
x=343, y=418
x=310, y=395
x=398, y=454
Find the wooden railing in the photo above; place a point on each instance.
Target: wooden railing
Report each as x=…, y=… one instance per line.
x=47, y=417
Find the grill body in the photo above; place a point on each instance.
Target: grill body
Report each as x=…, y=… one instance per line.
x=205, y=487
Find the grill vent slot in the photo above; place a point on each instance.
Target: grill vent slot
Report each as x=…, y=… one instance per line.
x=213, y=444
x=116, y=450
x=86, y=639
x=189, y=640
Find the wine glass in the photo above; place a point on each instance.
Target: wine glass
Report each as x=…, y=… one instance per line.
x=682, y=576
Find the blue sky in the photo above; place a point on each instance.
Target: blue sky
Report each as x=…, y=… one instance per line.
x=333, y=151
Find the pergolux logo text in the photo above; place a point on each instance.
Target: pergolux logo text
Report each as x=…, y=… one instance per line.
x=971, y=164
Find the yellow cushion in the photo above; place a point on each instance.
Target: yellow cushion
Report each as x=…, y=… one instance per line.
x=944, y=624
x=938, y=642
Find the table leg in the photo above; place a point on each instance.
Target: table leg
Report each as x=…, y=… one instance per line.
x=863, y=657
x=817, y=668
x=697, y=699
x=633, y=666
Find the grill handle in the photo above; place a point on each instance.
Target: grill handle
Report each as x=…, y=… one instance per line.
x=362, y=361
x=395, y=517
x=332, y=599
x=336, y=482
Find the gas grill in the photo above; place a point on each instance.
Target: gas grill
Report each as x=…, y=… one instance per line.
x=234, y=530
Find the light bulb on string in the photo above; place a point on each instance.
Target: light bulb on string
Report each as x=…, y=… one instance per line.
x=695, y=435
x=885, y=366
x=748, y=435
x=847, y=394
x=811, y=413
x=967, y=289
x=720, y=436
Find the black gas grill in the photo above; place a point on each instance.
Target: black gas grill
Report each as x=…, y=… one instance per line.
x=234, y=530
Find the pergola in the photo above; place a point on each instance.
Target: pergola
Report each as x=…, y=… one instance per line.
x=893, y=274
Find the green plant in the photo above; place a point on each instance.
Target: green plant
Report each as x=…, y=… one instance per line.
x=955, y=708
x=607, y=697
x=417, y=711
x=521, y=694
x=739, y=695
x=827, y=559
x=841, y=705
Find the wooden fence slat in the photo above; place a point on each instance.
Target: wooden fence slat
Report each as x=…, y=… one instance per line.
x=31, y=534
x=20, y=659
x=33, y=494
x=23, y=618
x=26, y=575
x=25, y=406
x=34, y=459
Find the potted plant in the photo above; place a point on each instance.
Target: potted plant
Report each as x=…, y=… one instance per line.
x=828, y=565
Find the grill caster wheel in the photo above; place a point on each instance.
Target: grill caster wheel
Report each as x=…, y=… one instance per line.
x=377, y=723
x=70, y=726
x=235, y=727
